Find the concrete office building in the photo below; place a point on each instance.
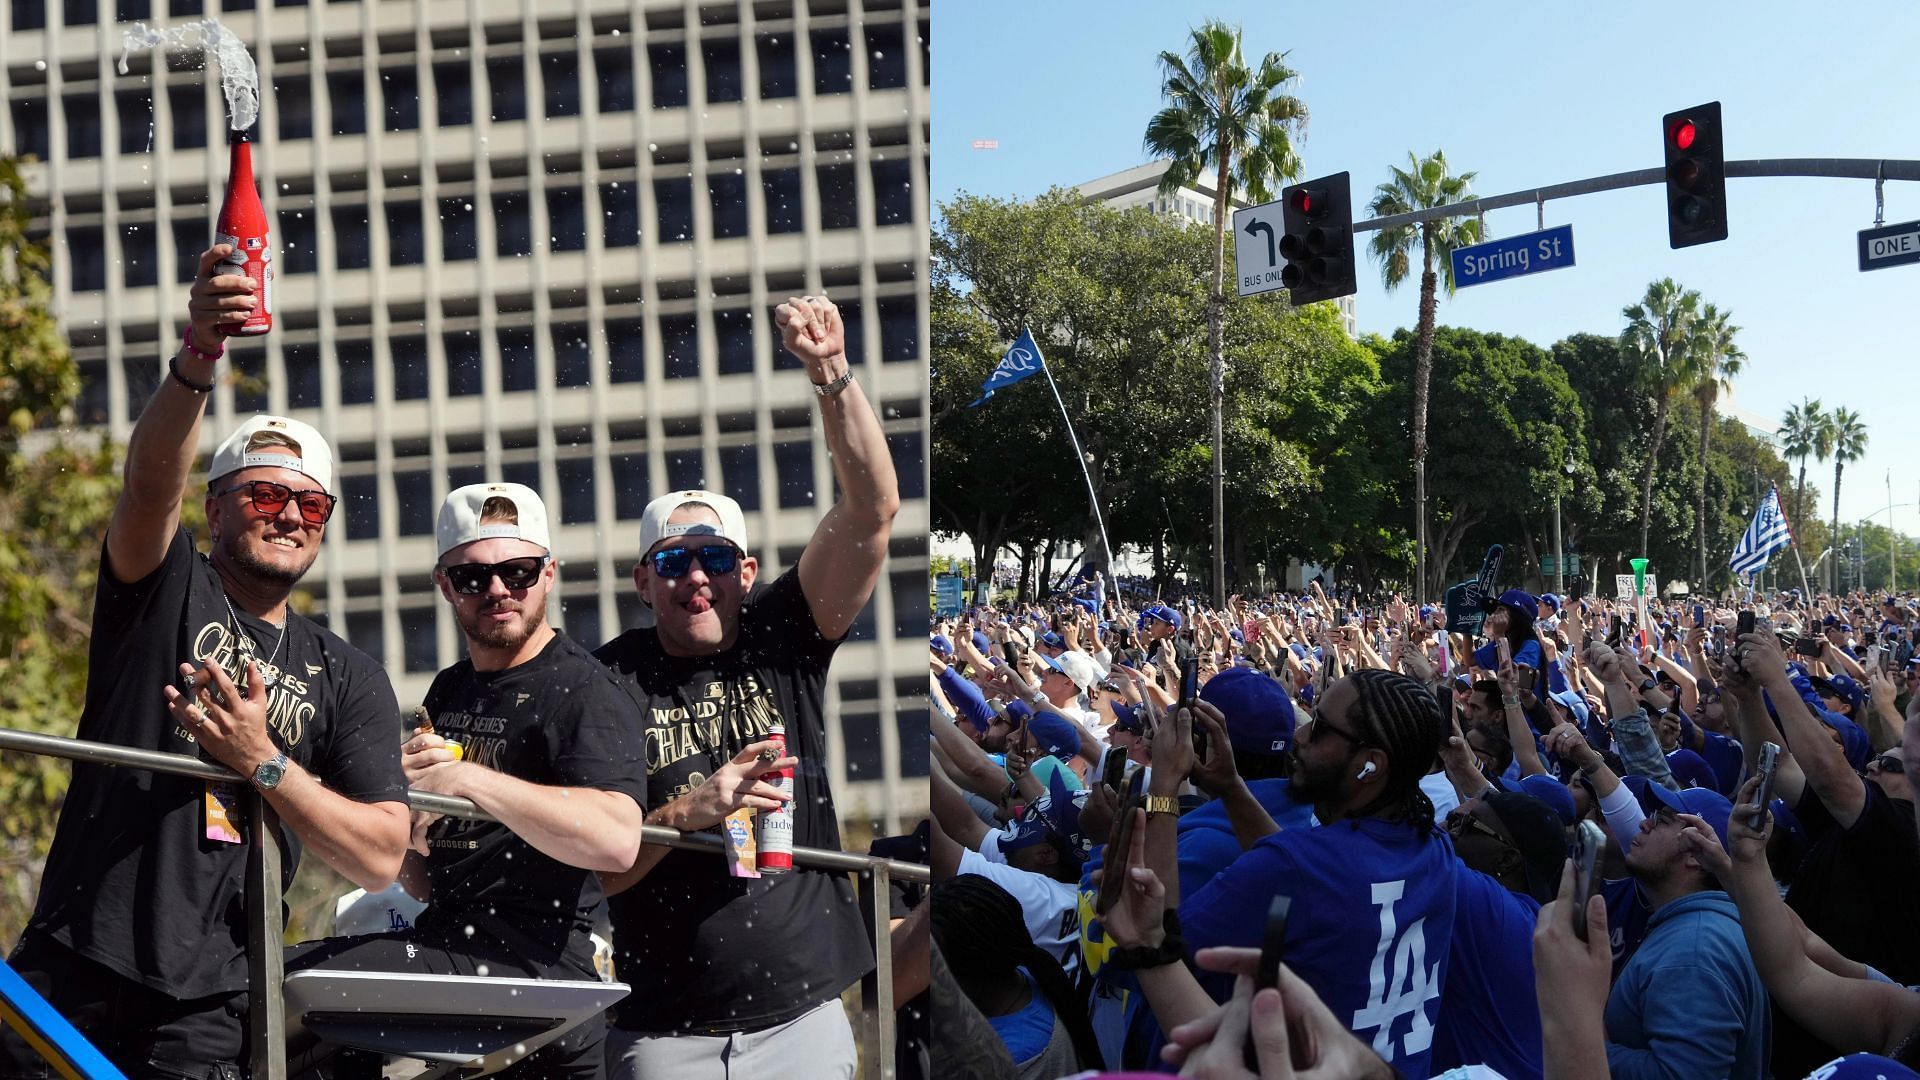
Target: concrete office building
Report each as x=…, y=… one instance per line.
x=1140, y=187
x=535, y=242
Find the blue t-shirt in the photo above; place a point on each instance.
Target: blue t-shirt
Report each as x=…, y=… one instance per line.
x=1206, y=840
x=1487, y=657
x=1028, y=1031
x=1370, y=929
x=1487, y=1014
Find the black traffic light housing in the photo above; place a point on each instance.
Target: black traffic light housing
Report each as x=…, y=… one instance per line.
x=1318, y=245
x=1696, y=176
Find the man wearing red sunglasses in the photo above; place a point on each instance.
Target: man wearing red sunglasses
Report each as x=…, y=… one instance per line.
x=138, y=935
x=733, y=976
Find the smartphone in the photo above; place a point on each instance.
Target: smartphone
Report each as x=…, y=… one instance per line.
x=1114, y=771
x=1614, y=627
x=1741, y=627
x=1588, y=840
x=1268, y=976
x=1190, y=693
x=1700, y=615
x=1114, y=863
x=1011, y=651
x=1768, y=764
x=1809, y=645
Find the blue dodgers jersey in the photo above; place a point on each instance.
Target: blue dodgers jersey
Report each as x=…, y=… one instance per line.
x=1207, y=843
x=1370, y=927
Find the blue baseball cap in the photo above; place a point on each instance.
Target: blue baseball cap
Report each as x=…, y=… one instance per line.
x=1053, y=640
x=1550, y=600
x=1086, y=605
x=1163, y=613
x=1552, y=792
x=1426, y=610
x=1705, y=803
x=1260, y=717
x=1575, y=704
x=941, y=645
x=1864, y=1067
x=1054, y=734
x=982, y=642
x=1519, y=600
x=1126, y=718
x=1841, y=685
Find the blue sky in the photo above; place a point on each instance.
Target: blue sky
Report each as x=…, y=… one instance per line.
x=1525, y=100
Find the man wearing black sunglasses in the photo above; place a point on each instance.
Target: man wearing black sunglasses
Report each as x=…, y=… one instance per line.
x=136, y=936
x=549, y=743
x=737, y=976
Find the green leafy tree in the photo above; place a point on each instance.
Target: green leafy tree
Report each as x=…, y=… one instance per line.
x=1849, y=442
x=1660, y=337
x=1235, y=122
x=1495, y=473
x=1721, y=359
x=1425, y=184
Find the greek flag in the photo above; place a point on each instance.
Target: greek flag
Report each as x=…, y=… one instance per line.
x=1022, y=360
x=1766, y=535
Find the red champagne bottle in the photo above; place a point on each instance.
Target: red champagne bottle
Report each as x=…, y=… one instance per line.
x=243, y=224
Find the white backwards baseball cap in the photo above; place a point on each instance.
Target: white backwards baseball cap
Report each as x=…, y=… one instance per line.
x=654, y=527
x=460, y=516
x=252, y=445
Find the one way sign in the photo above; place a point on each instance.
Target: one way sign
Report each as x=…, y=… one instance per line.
x=1256, y=248
x=1893, y=245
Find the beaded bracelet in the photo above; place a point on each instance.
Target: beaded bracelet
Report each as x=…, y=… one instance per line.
x=186, y=338
x=173, y=368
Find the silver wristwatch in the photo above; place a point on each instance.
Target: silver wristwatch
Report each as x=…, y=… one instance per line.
x=828, y=389
x=268, y=774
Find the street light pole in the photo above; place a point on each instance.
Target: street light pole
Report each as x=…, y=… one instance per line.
x=1559, y=548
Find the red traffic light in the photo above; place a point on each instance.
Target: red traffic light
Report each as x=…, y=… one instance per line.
x=1683, y=133
x=1308, y=201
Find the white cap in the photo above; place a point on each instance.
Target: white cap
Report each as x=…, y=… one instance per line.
x=243, y=450
x=654, y=527
x=460, y=516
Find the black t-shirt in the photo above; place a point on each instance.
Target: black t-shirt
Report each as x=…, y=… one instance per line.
x=1856, y=888
x=562, y=720
x=132, y=881
x=705, y=951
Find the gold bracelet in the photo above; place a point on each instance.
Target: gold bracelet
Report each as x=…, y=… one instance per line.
x=1163, y=804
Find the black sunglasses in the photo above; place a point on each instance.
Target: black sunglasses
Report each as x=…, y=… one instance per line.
x=270, y=498
x=473, y=579
x=674, y=562
x=1893, y=763
x=1315, y=723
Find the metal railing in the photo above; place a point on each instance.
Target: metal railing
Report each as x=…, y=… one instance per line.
x=267, y=1022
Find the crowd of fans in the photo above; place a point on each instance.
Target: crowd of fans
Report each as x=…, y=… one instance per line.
x=1300, y=836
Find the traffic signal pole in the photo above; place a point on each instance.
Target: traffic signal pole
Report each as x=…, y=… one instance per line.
x=1842, y=168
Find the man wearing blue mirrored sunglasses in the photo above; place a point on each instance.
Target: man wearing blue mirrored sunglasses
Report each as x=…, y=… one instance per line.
x=737, y=976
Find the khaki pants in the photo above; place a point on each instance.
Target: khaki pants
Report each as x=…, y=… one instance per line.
x=816, y=1046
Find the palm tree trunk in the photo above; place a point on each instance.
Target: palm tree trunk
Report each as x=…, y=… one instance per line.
x=1833, y=536
x=1422, y=374
x=1217, y=387
x=1646, y=479
x=1800, y=497
x=1706, y=431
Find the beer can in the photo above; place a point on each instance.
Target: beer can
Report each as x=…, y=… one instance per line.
x=773, y=829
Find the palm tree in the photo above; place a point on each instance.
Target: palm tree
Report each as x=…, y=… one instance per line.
x=1225, y=118
x=1800, y=436
x=1721, y=358
x=1660, y=334
x=1849, y=442
x=1426, y=184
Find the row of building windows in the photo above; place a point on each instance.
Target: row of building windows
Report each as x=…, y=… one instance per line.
x=897, y=317
x=505, y=93
x=296, y=241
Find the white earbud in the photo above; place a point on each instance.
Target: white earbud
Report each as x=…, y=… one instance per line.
x=1365, y=771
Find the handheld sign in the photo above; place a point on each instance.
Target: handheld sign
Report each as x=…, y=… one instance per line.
x=1467, y=601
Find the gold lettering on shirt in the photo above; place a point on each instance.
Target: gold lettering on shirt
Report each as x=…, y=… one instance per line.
x=706, y=728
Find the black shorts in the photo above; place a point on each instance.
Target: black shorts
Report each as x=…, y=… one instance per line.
x=578, y=1054
x=146, y=1032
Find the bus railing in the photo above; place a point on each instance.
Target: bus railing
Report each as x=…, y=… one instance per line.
x=267, y=1022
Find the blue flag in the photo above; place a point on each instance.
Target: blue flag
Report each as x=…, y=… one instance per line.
x=1767, y=534
x=1022, y=360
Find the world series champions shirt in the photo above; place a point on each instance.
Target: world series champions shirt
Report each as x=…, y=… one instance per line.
x=133, y=881
x=706, y=952
x=560, y=720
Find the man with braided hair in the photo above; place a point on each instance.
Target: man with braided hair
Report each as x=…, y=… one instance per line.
x=1372, y=887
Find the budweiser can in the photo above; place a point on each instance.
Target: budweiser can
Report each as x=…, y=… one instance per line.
x=773, y=829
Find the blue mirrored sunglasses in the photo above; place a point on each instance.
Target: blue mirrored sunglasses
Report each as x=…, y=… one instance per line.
x=674, y=562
